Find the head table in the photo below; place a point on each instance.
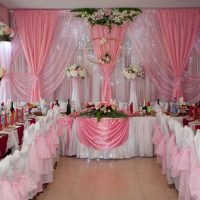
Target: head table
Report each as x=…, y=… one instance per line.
x=116, y=138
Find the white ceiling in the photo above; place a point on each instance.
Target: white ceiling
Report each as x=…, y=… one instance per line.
x=65, y=4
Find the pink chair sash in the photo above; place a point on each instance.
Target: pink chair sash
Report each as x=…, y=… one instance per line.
x=194, y=183
x=106, y=134
x=158, y=136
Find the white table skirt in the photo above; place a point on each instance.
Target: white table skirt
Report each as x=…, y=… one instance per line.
x=138, y=144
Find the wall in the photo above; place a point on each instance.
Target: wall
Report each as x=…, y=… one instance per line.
x=4, y=15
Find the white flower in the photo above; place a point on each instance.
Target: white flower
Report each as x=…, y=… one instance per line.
x=2, y=72
x=74, y=73
x=107, y=59
x=82, y=73
x=103, y=41
x=75, y=70
x=132, y=72
x=133, y=76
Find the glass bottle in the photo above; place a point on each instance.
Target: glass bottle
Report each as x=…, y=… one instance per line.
x=12, y=108
x=68, y=107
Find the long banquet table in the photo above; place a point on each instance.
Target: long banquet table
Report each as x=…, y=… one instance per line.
x=138, y=143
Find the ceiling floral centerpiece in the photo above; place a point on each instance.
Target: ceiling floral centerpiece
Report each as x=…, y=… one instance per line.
x=107, y=16
x=5, y=33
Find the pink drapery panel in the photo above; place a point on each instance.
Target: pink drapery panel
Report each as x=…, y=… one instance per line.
x=36, y=29
x=106, y=134
x=147, y=42
x=60, y=55
x=179, y=29
x=114, y=40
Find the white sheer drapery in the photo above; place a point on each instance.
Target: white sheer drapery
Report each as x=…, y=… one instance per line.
x=5, y=55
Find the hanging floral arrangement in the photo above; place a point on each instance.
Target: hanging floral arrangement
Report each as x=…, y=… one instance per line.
x=2, y=73
x=5, y=33
x=76, y=71
x=107, y=16
x=133, y=71
x=105, y=59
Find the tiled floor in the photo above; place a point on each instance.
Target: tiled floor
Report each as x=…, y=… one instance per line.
x=128, y=179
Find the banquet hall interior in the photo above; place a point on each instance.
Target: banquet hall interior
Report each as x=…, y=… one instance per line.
x=100, y=100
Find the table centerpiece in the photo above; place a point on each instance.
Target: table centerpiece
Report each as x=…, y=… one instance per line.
x=103, y=110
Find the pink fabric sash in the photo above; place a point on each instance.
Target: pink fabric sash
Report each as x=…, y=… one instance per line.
x=106, y=134
x=195, y=183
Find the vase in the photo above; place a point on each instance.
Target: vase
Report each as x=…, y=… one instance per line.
x=133, y=95
x=75, y=94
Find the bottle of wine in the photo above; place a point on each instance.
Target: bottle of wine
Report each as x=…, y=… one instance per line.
x=158, y=101
x=68, y=107
x=12, y=108
x=144, y=107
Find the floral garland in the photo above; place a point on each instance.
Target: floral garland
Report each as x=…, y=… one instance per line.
x=5, y=33
x=102, y=110
x=107, y=16
x=2, y=73
x=133, y=72
x=76, y=71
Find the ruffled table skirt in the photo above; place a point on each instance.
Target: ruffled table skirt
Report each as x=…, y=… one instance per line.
x=139, y=142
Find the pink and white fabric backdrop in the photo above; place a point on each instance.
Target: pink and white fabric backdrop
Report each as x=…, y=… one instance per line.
x=61, y=52
x=36, y=30
x=179, y=30
x=114, y=39
x=142, y=43
x=148, y=43
x=133, y=95
x=5, y=57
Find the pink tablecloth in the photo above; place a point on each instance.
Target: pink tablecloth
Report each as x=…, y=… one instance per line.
x=106, y=134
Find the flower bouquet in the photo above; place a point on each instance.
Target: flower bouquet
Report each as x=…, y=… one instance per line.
x=106, y=58
x=103, y=110
x=133, y=72
x=2, y=73
x=5, y=33
x=76, y=71
x=107, y=16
